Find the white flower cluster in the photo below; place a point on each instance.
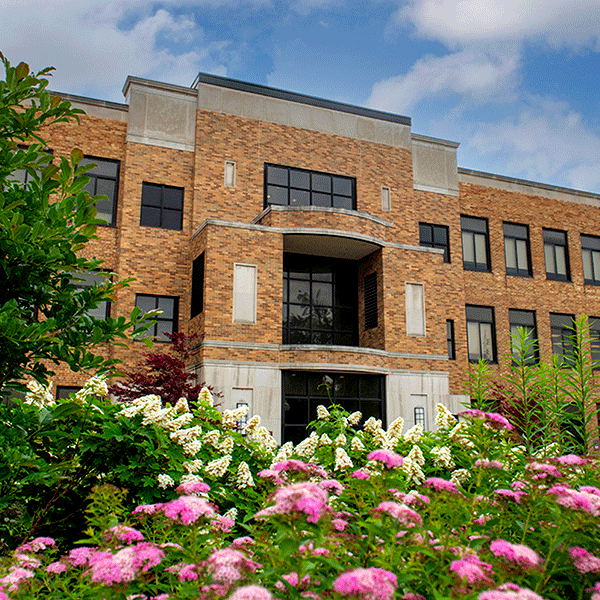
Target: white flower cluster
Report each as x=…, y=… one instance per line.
x=459, y=476
x=226, y=446
x=307, y=447
x=211, y=438
x=264, y=437
x=394, y=432
x=205, y=396
x=443, y=457
x=38, y=394
x=243, y=477
x=252, y=425
x=165, y=481
x=182, y=406
x=342, y=460
x=232, y=418
x=192, y=466
x=354, y=418
x=95, y=386
x=322, y=413
x=218, y=467
x=340, y=440
x=444, y=418
x=325, y=440
x=412, y=466
x=283, y=453
x=372, y=425
x=356, y=445
x=458, y=434
x=414, y=434
x=232, y=514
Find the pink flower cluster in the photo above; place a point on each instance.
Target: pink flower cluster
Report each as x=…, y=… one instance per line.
x=387, y=457
x=404, y=515
x=441, y=485
x=517, y=554
x=509, y=591
x=494, y=420
x=516, y=496
x=40, y=543
x=188, y=509
x=293, y=464
x=125, y=565
x=303, y=497
x=192, y=487
x=469, y=569
x=488, y=464
x=584, y=561
x=124, y=534
x=367, y=584
x=585, y=499
x=251, y=592
x=541, y=470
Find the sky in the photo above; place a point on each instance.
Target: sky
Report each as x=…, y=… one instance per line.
x=515, y=82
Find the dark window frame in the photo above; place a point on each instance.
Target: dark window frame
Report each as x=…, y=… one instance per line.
x=431, y=242
x=160, y=210
x=84, y=280
x=311, y=191
x=562, y=335
x=553, y=245
x=591, y=244
x=154, y=331
x=370, y=300
x=197, y=288
x=594, y=333
x=450, y=339
x=92, y=186
x=474, y=231
x=525, y=319
x=513, y=238
x=471, y=311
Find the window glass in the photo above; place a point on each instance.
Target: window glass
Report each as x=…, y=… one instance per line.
x=556, y=254
x=161, y=206
x=481, y=341
x=516, y=249
x=104, y=179
x=436, y=236
x=590, y=254
x=475, y=243
x=165, y=322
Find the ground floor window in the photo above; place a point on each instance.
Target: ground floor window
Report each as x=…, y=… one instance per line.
x=303, y=391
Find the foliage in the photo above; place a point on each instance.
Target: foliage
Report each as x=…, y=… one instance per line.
x=516, y=527
x=44, y=225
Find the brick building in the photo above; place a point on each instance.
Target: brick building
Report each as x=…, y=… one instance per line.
x=308, y=241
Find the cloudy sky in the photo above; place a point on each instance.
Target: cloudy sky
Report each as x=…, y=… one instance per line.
x=516, y=82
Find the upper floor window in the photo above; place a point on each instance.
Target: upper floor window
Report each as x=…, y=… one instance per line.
x=197, y=300
x=165, y=322
x=556, y=254
x=370, y=298
x=475, y=243
x=563, y=332
x=516, y=249
x=590, y=253
x=481, y=335
x=162, y=206
x=450, y=341
x=104, y=179
x=25, y=176
x=594, y=331
x=92, y=279
x=525, y=320
x=287, y=186
x=435, y=236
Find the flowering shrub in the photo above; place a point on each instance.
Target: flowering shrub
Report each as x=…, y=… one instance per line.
x=460, y=512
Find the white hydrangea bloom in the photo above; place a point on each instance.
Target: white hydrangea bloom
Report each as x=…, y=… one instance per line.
x=395, y=429
x=192, y=466
x=243, y=477
x=158, y=417
x=192, y=447
x=253, y=424
x=186, y=435
x=130, y=411
x=444, y=418
x=228, y=419
x=342, y=460
x=414, y=434
x=325, y=440
x=354, y=418
x=414, y=473
x=95, y=386
x=179, y=423
x=322, y=413
x=182, y=406
x=459, y=433
x=283, y=453
x=218, y=467
x=381, y=439
x=226, y=446
x=211, y=438
x=165, y=481
x=340, y=440
x=307, y=447
x=372, y=425
x=205, y=396
x=443, y=457
x=38, y=394
x=232, y=514
x=263, y=435
x=459, y=476
x=191, y=478
x=416, y=455
x=356, y=445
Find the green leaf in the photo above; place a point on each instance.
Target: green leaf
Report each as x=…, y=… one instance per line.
x=76, y=156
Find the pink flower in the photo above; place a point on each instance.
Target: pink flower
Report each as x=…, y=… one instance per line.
x=516, y=496
x=293, y=464
x=37, y=544
x=15, y=578
x=332, y=486
x=509, y=591
x=229, y=566
x=360, y=474
x=222, y=524
x=584, y=561
x=147, y=509
x=367, y=584
x=517, y=554
x=595, y=591
x=108, y=568
x=471, y=570
x=251, y=592
x=387, y=457
x=404, y=515
x=582, y=500
x=242, y=542
x=292, y=579
x=544, y=468
x=192, y=487
x=339, y=524
x=188, y=509
x=441, y=485
x=79, y=557
x=128, y=535
x=57, y=567
x=411, y=596
x=304, y=497
x=494, y=420
x=488, y=464
x=571, y=459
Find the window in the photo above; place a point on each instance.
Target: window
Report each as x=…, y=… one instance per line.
x=556, y=254
x=594, y=330
x=450, y=339
x=386, y=198
x=244, y=293
x=88, y=280
x=370, y=290
x=230, y=169
x=481, y=337
x=162, y=206
x=562, y=331
x=64, y=391
x=303, y=391
x=523, y=319
x=475, y=243
x=297, y=187
x=435, y=236
x=197, y=301
x=320, y=300
x=420, y=415
x=516, y=250
x=590, y=253
x=23, y=175
x=104, y=179
x=165, y=322
x=415, y=309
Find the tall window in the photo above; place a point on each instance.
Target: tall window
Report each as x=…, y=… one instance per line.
x=556, y=254
x=562, y=331
x=450, y=343
x=297, y=187
x=104, y=179
x=88, y=280
x=435, y=236
x=594, y=325
x=319, y=300
x=475, y=244
x=523, y=319
x=370, y=297
x=590, y=253
x=304, y=391
x=481, y=336
x=516, y=249
x=165, y=322
x=197, y=286
x=162, y=206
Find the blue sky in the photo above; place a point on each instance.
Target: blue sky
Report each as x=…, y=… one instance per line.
x=515, y=82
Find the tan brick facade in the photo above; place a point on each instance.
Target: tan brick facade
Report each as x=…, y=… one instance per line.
x=233, y=225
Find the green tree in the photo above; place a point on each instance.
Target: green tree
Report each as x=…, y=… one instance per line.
x=46, y=219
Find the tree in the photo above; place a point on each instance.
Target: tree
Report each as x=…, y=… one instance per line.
x=46, y=219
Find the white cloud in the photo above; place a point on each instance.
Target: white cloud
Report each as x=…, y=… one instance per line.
x=559, y=22
x=544, y=141
x=305, y=7
x=471, y=73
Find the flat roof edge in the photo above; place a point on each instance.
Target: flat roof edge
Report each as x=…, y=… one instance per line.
x=527, y=182
x=91, y=101
x=417, y=137
x=264, y=90
x=180, y=89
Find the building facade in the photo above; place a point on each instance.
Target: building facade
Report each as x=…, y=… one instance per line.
x=321, y=249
